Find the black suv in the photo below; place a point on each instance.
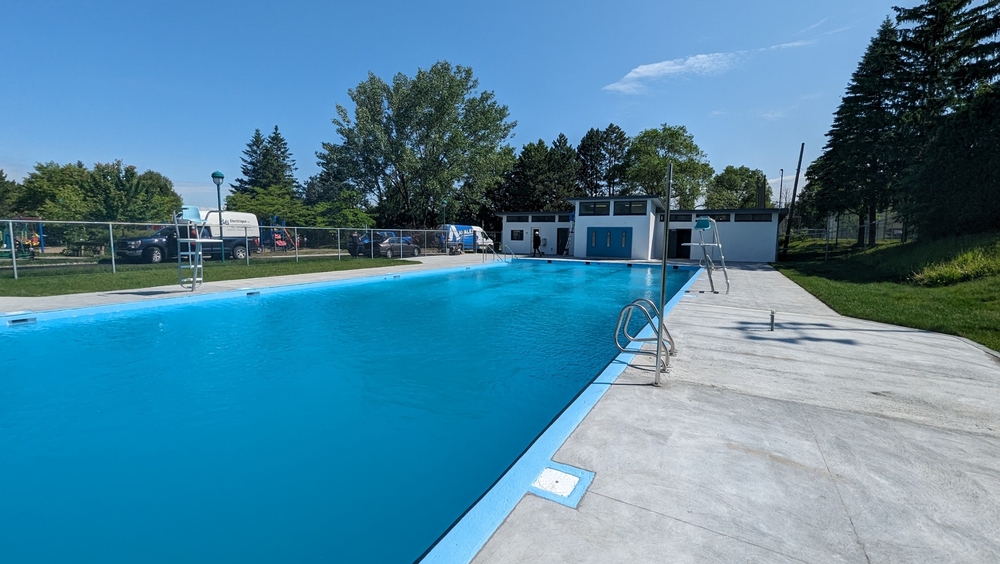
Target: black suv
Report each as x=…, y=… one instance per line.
x=162, y=245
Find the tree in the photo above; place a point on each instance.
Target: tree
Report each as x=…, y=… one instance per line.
x=273, y=201
x=266, y=162
x=603, y=156
x=590, y=151
x=120, y=193
x=615, y=165
x=57, y=192
x=432, y=137
x=9, y=192
x=864, y=155
x=737, y=188
x=650, y=153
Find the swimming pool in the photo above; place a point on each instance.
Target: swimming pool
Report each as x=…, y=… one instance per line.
x=352, y=421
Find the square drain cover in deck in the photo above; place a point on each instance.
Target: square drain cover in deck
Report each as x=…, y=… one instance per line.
x=562, y=484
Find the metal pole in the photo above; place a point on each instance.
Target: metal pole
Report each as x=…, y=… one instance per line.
x=781, y=186
x=13, y=246
x=791, y=207
x=663, y=274
x=222, y=240
x=826, y=255
x=111, y=237
x=295, y=242
x=339, y=250
x=246, y=242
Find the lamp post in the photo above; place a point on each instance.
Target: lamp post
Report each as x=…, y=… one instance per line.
x=444, y=212
x=218, y=177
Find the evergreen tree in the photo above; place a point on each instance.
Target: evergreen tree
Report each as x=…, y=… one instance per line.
x=590, y=151
x=615, y=165
x=267, y=162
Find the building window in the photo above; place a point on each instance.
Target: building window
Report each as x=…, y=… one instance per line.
x=637, y=207
x=593, y=238
x=595, y=208
x=719, y=217
x=623, y=239
x=680, y=217
x=563, y=219
x=517, y=219
x=543, y=218
x=753, y=217
x=608, y=242
x=517, y=234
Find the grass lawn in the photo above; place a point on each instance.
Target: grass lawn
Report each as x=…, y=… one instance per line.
x=901, y=284
x=58, y=280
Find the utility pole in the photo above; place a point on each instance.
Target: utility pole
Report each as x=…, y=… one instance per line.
x=781, y=187
x=791, y=210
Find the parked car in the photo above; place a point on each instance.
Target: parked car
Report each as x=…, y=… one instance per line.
x=240, y=232
x=391, y=247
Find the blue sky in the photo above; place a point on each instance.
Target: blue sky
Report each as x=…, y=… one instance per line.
x=179, y=87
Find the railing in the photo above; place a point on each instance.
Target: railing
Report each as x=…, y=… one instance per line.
x=650, y=312
x=506, y=250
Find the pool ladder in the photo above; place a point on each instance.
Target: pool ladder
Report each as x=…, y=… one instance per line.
x=650, y=312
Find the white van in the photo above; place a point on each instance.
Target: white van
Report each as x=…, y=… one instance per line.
x=234, y=224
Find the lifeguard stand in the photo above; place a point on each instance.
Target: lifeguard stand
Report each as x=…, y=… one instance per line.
x=702, y=225
x=190, y=261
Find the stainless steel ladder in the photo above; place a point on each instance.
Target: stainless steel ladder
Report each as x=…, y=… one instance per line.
x=650, y=312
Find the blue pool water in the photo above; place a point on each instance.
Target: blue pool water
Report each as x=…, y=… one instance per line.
x=342, y=423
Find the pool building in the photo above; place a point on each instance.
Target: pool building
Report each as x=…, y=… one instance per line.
x=631, y=227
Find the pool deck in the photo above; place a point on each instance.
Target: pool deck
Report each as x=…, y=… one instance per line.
x=830, y=439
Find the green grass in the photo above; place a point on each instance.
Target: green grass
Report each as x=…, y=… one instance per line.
x=950, y=286
x=58, y=280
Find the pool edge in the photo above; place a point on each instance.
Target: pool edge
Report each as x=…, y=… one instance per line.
x=467, y=536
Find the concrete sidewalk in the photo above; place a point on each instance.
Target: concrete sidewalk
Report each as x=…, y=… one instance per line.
x=828, y=440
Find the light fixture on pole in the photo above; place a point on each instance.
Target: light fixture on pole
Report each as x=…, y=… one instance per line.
x=218, y=177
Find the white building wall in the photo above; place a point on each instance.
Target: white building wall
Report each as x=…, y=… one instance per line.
x=547, y=230
x=742, y=241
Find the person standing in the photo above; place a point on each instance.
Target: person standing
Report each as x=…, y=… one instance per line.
x=354, y=245
x=536, y=241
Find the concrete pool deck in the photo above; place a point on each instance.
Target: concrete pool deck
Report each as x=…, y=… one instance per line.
x=829, y=439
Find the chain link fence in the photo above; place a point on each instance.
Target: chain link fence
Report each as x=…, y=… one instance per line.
x=34, y=243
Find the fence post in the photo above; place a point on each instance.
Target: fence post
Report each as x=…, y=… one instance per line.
x=339, y=251
x=13, y=246
x=111, y=237
x=295, y=242
x=246, y=242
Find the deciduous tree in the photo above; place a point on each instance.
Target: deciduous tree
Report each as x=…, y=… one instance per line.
x=653, y=149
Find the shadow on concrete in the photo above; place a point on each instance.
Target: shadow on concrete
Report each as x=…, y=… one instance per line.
x=144, y=293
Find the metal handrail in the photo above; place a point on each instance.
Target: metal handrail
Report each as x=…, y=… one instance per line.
x=496, y=257
x=625, y=317
x=507, y=249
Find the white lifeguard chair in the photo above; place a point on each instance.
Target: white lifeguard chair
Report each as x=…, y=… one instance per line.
x=708, y=248
x=190, y=261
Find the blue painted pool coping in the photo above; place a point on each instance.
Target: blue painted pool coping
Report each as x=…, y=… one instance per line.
x=468, y=535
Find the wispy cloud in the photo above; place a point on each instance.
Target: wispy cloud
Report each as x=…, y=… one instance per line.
x=706, y=64
x=637, y=79
x=718, y=113
x=813, y=26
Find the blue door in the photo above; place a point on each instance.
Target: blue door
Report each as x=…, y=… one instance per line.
x=610, y=242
